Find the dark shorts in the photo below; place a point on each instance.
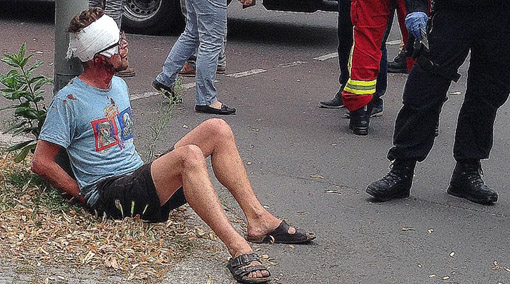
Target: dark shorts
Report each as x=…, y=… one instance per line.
x=135, y=194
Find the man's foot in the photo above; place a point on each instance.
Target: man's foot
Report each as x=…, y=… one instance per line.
x=187, y=70
x=396, y=184
x=128, y=72
x=360, y=119
x=247, y=268
x=221, y=69
x=283, y=234
x=399, y=64
x=467, y=183
x=215, y=109
x=335, y=102
x=166, y=91
x=377, y=110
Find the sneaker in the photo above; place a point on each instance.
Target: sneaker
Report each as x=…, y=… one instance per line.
x=335, y=102
x=167, y=92
x=399, y=64
x=377, y=110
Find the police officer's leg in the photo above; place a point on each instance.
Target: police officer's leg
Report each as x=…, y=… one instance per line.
x=488, y=88
x=423, y=97
x=426, y=88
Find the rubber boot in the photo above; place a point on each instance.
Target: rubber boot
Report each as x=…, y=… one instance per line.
x=467, y=183
x=396, y=184
x=360, y=119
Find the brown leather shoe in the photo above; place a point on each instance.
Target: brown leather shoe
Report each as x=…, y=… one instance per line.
x=221, y=69
x=187, y=70
x=129, y=72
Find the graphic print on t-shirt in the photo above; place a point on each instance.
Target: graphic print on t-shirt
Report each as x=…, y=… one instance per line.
x=105, y=133
x=126, y=124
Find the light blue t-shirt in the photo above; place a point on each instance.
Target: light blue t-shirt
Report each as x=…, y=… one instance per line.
x=96, y=128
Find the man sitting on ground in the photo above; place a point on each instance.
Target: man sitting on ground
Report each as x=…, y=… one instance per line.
x=91, y=118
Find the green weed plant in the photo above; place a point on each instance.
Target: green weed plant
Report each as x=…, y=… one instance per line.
x=24, y=89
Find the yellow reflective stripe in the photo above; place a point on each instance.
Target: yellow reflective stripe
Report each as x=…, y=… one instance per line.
x=362, y=83
x=360, y=87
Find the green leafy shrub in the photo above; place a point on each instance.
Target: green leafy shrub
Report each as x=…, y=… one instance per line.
x=24, y=89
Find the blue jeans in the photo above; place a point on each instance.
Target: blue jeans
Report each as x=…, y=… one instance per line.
x=222, y=59
x=113, y=8
x=206, y=21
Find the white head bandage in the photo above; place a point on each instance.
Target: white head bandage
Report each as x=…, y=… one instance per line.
x=94, y=38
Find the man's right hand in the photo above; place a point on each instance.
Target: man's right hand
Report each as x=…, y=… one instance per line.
x=415, y=22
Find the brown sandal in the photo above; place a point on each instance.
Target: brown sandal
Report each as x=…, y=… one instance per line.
x=240, y=268
x=281, y=235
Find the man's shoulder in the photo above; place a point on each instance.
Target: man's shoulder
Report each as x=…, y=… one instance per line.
x=71, y=88
x=118, y=81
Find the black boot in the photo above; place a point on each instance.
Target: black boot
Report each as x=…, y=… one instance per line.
x=399, y=64
x=335, y=102
x=467, y=183
x=396, y=184
x=360, y=119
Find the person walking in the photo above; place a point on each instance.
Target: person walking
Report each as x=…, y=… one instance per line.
x=206, y=22
x=457, y=28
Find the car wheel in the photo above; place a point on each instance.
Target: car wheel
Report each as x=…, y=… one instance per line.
x=152, y=16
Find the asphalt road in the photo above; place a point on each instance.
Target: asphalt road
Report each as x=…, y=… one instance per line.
x=305, y=164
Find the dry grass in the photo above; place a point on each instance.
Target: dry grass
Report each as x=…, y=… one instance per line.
x=39, y=228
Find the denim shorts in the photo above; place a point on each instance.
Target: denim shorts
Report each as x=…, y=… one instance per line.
x=135, y=194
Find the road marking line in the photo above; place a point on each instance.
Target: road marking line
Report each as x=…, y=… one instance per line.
x=246, y=73
x=295, y=63
x=151, y=94
x=327, y=56
x=393, y=42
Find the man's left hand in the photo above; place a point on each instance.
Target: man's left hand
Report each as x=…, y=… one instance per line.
x=415, y=22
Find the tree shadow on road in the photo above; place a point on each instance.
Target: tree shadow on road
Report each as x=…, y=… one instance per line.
x=289, y=34
x=28, y=11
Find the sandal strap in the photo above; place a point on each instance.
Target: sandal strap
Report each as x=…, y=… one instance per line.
x=245, y=270
x=240, y=266
x=243, y=259
x=281, y=234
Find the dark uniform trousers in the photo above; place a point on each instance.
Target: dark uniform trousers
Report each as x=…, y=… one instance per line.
x=486, y=33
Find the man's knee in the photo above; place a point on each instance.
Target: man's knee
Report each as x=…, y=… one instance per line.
x=219, y=128
x=191, y=156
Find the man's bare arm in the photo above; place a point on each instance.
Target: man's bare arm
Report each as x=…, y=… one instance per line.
x=44, y=165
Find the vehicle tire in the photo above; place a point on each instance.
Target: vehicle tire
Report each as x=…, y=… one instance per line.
x=152, y=16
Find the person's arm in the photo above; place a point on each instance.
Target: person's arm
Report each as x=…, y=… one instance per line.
x=44, y=165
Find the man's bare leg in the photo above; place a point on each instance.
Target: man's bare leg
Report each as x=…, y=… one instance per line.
x=186, y=166
x=215, y=138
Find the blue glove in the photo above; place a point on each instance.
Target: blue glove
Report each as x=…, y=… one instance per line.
x=416, y=21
